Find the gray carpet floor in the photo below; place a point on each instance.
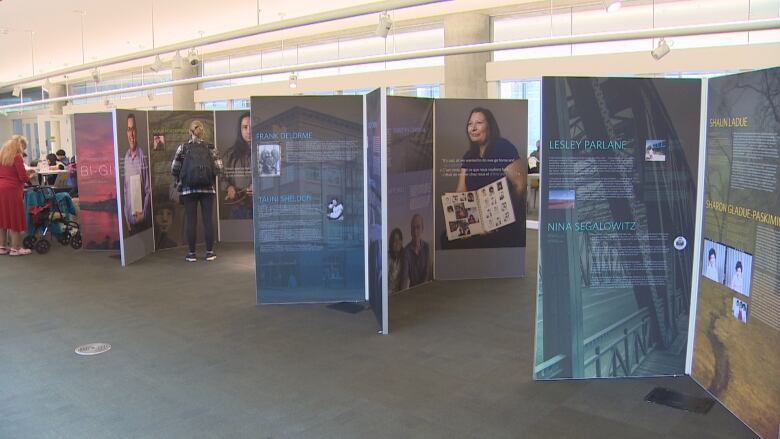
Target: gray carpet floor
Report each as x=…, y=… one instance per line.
x=193, y=357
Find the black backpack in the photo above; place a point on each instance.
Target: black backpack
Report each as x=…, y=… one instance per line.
x=197, y=170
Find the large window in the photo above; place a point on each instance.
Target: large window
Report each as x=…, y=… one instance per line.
x=427, y=37
x=634, y=15
x=241, y=104
x=530, y=90
x=214, y=105
x=420, y=91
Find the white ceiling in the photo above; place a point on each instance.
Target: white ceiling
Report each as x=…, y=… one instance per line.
x=117, y=27
x=113, y=28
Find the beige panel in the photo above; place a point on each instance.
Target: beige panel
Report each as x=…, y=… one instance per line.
x=422, y=75
x=640, y=63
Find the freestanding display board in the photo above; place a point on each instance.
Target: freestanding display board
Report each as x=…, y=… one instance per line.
x=480, y=173
x=619, y=164
x=233, y=133
x=410, y=192
x=376, y=141
x=737, y=338
x=307, y=156
x=98, y=218
x=168, y=130
x=134, y=200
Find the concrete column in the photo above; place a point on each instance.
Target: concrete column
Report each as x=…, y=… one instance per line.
x=184, y=95
x=5, y=129
x=56, y=91
x=464, y=75
x=62, y=139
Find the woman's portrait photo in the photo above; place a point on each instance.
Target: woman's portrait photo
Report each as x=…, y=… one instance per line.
x=479, y=143
x=738, y=270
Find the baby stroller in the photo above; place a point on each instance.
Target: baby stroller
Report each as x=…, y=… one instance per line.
x=46, y=218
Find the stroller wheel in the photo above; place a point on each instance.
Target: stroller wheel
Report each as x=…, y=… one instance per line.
x=64, y=238
x=42, y=246
x=75, y=241
x=29, y=242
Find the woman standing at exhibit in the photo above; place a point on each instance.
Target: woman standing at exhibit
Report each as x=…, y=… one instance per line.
x=489, y=158
x=13, y=176
x=195, y=167
x=396, y=263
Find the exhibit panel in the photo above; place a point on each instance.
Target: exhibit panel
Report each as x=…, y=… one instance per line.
x=480, y=172
x=98, y=215
x=737, y=337
x=167, y=131
x=410, y=192
x=375, y=194
x=307, y=173
x=233, y=134
x=617, y=219
x=134, y=200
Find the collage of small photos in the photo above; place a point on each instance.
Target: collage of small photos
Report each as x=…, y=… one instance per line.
x=730, y=267
x=477, y=212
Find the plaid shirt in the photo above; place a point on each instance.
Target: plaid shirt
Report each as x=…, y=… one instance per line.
x=178, y=160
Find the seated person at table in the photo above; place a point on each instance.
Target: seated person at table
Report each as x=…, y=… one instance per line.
x=54, y=164
x=61, y=157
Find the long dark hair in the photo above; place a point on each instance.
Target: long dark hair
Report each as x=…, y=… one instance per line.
x=398, y=234
x=494, y=133
x=240, y=142
x=241, y=148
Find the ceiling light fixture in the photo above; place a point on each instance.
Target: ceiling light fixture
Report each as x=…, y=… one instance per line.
x=157, y=64
x=193, y=57
x=661, y=50
x=612, y=5
x=293, y=80
x=384, y=26
x=178, y=61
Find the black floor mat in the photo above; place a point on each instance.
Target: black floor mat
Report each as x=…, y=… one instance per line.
x=668, y=397
x=350, y=307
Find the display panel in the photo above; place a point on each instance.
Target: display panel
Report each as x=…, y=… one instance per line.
x=478, y=142
x=377, y=292
x=98, y=218
x=737, y=339
x=619, y=163
x=233, y=133
x=134, y=187
x=410, y=192
x=168, y=130
x=307, y=155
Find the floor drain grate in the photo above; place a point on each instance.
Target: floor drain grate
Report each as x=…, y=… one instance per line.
x=93, y=348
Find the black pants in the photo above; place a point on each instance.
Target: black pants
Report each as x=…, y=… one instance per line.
x=191, y=218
